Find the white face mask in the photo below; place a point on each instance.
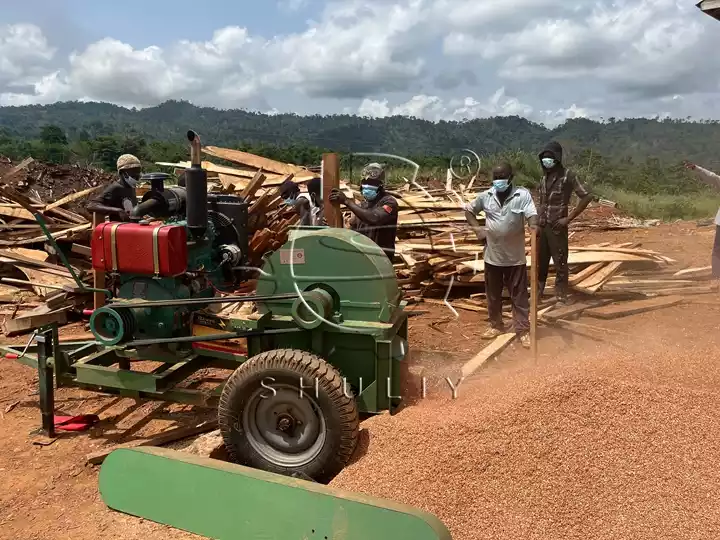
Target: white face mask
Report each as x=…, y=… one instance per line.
x=132, y=182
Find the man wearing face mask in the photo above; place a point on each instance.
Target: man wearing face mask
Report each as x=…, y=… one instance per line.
x=119, y=198
x=307, y=205
x=377, y=216
x=556, y=188
x=506, y=208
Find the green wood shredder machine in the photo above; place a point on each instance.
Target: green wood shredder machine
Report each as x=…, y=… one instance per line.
x=329, y=341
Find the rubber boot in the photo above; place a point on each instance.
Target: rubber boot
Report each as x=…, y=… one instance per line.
x=562, y=295
x=541, y=290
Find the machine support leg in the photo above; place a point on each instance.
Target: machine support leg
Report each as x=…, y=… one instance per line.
x=533, y=293
x=98, y=276
x=46, y=381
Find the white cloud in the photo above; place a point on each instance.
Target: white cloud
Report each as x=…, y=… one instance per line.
x=639, y=46
x=23, y=51
x=415, y=53
x=434, y=108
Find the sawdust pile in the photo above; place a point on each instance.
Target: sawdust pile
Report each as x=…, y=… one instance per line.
x=560, y=456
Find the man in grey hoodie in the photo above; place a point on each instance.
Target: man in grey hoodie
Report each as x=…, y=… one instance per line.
x=711, y=179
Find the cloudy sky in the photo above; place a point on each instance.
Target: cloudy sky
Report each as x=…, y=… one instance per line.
x=547, y=60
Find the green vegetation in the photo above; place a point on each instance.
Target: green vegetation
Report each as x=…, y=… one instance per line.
x=636, y=162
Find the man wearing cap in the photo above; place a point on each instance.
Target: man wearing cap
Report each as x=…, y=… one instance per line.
x=556, y=189
x=119, y=198
x=377, y=216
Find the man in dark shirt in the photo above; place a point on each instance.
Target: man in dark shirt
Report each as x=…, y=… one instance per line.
x=119, y=198
x=556, y=188
x=377, y=216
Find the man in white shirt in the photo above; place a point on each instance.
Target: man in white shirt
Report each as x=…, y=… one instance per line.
x=506, y=209
x=307, y=205
x=711, y=179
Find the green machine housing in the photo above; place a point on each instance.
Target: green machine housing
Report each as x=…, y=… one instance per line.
x=349, y=304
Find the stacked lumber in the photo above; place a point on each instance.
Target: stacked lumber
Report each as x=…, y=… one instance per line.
x=615, y=290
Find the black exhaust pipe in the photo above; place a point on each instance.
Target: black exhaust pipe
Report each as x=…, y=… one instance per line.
x=196, y=186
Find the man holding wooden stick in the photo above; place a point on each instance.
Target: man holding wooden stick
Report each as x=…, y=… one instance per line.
x=713, y=180
x=377, y=216
x=506, y=208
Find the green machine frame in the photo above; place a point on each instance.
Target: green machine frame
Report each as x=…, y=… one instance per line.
x=107, y=369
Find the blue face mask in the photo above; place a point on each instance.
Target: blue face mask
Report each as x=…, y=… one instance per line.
x=548, y=162
x=501, y=184
x=290, y=201
x=369, y=192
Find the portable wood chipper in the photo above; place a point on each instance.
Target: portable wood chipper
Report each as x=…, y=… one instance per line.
x=327, y=341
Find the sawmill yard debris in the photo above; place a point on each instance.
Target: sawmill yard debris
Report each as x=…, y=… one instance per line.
x=438, y=257
x=608, y=435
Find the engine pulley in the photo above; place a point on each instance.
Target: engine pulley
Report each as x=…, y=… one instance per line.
x=111, y=326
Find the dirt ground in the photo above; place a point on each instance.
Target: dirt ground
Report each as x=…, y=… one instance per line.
x=47, y=492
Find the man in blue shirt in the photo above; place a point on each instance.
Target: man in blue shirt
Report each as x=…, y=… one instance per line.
x=507, y=208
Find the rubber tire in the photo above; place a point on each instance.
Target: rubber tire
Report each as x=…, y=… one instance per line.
x=287, y=366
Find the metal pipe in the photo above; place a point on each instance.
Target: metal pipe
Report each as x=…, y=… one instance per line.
x=196, y=187
x=211, y=337
x=202, y=301
x=195, y=148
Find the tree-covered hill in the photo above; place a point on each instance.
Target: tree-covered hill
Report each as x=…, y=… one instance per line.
x=669, y=141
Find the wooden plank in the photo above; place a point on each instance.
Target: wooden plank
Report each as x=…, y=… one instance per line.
x=614, y=311
x=17, y=169
x=35, y=319
x=533, y=291
x=330, y=179
x=172, y=435
x=72, y=197
x=585, y=273
x=709, y=289
x=256, y=183
x=563, y=312
x=15, y=212
x=622, y=282
x=593, y=283
x=272, y=179
x=489, y=352
x=229, y=182
x=704, y=272
x=42, y=238
x=585, y=257
x=85, y=251
x=252, y=160
x=34, y=257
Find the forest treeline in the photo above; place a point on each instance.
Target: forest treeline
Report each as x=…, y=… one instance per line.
x=635, y=156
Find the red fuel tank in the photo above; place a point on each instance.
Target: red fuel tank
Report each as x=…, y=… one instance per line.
x=132, y=248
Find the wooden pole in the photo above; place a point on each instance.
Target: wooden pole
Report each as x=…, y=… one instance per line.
x=330, y=178
x=533, y=292
x=98, y=275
